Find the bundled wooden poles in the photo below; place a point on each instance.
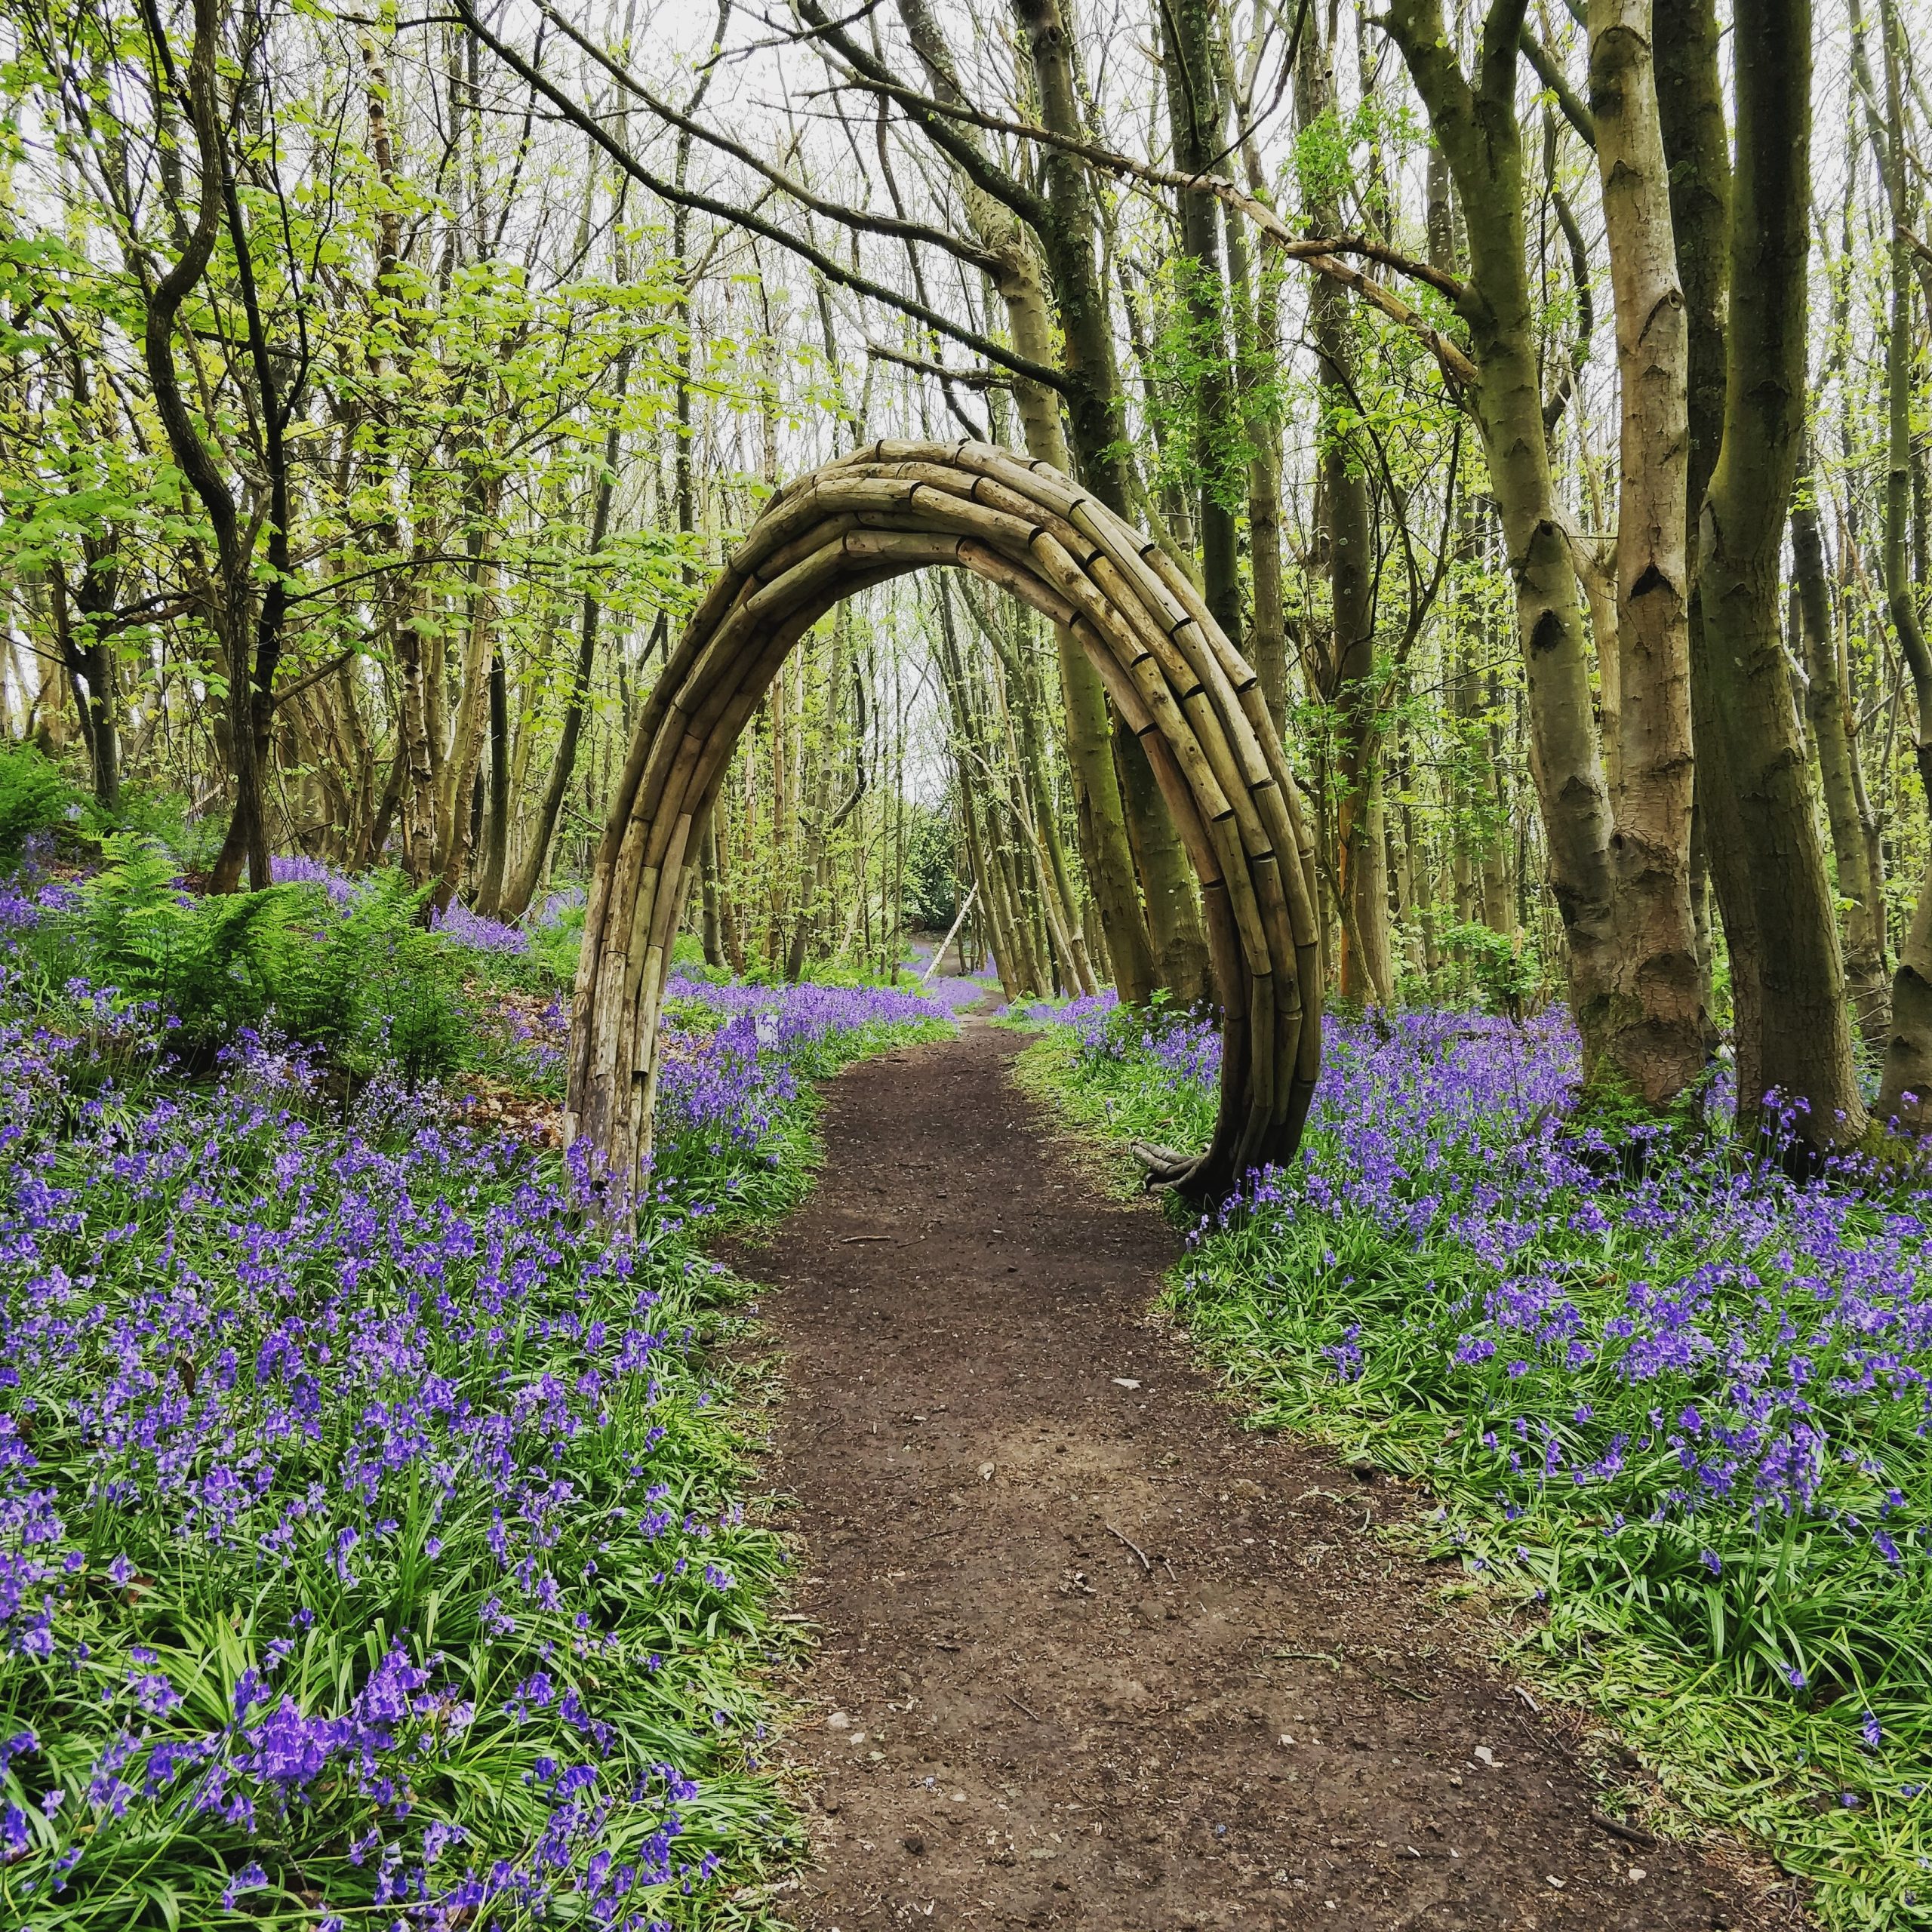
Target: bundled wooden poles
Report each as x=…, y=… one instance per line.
x=1183, y=688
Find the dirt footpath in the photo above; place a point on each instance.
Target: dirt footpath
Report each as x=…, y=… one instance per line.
x=1090, y=1654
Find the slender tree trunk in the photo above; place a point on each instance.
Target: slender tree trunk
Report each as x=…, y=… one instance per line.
x=496, y=806
x=1905, y=1087
x=712, y=929
x=1024, y=724
x=1349, y=681
x=473, y=698
x=563, y=764
x=232, y=615
x=419, y=788
x=1825, y=705
x=1097, y=421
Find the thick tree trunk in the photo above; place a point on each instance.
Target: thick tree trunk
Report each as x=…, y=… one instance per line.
x=1661, y=1032
x=1691, y=112
x=1477, y=128
x=1197, y=117
x=1774, y=887
x=1097, y=421
x=1255, y=288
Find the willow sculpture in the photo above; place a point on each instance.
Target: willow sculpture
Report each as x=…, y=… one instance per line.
x=1193, y=702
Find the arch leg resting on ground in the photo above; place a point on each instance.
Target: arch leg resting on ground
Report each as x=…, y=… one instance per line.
x=1192, y=700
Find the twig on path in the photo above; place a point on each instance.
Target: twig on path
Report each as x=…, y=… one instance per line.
x=1027, y=1708
x=1131, y=1545
x=1399, y=1690
x=1335, y=1663
x=847, y=1241
x=1617, y=1829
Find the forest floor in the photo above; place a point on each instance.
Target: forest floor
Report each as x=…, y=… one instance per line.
x=1089, y=1652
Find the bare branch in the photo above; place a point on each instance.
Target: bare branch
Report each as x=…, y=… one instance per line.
x=858, y=218
x=833, y=270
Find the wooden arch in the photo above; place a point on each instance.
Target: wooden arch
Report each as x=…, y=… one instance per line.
x=1195, y=703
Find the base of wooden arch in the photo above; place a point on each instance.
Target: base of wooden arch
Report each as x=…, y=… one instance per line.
x=1185, y=692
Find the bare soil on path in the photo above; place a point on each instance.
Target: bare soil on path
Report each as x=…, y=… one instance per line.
x=1090, y=1654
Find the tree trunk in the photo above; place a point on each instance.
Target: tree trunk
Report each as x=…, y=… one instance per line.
x=1660, y=1031
x=496, y=812
x=473, y=694
x=1476, y=124
x=1905, y=1087
x=1099, y=809
x=1197, y=117
x=1774, y=888
x=1097, y=421
x=418, y=785
x=712, y=929
x=1254, y=286
x=1350, y=682
x=1825, y=705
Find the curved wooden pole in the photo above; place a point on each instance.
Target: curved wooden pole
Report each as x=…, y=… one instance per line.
x=1180, y=685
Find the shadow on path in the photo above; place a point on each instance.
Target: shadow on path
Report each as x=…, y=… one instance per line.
x=1091, y=1655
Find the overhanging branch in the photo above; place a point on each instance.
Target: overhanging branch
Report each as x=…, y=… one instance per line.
x=1324, y=255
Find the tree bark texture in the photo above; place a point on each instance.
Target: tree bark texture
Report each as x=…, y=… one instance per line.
x=1905, y=1087
x=1099, y=814
x=1828, y=710
x=1476, y=124
x=1097, y=420
x=1658, y=1035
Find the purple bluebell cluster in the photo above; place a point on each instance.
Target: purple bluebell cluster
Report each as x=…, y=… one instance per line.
x=480, y=934
x=955, y=993
x=348, y=1466
x=806, y=1013
x=24, y=900
x=556, y=906
x=369, y=1546
x=300, y=870
x=734, y=1058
